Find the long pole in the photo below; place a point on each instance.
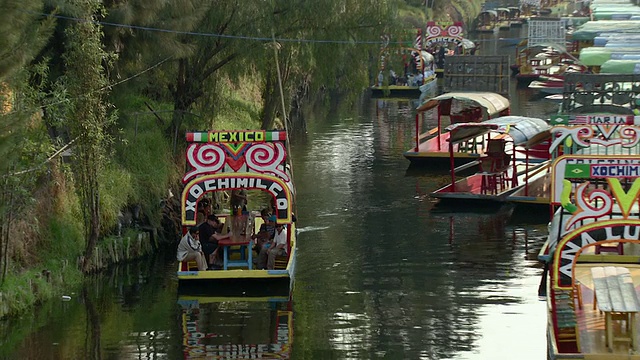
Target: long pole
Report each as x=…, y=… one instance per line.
x=284, y=113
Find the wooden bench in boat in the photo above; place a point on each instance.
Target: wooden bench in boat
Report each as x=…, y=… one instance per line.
x=615, y=295
x=566, y=325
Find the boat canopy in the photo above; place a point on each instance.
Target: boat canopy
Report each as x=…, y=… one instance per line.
x=467, y=44
x=491, y=13
x=589, y=30
x=575, y=20
x=493, y=103
x=606, y=38
x=524, y=131
x=620, y=67
x=596, y=56
x=616, y=15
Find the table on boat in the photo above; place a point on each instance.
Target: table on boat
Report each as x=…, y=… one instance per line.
x=616, y=297
x=245, y=260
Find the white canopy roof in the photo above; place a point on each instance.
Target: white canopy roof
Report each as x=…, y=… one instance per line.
x=492, y=102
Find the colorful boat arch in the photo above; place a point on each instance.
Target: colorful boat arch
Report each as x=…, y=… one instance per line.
x=596, y=214
x=444, y=32
x=228, y=160
x=199, y=186
x=572, y=244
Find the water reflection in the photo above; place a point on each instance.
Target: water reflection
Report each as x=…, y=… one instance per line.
x=240, y=328
x=382, y=271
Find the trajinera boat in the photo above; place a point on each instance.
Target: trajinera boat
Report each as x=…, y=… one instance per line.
x=253, y=161
x=432, y=143
x=404, y=71
x=516, y=147
x=592, y=256
x=578, y=134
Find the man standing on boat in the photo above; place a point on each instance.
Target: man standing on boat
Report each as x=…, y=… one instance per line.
x=239, y=214
x=190, y=248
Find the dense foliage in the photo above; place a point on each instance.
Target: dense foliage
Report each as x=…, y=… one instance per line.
x=96, y=97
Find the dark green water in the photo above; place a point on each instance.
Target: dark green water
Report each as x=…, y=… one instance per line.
x=381, y=274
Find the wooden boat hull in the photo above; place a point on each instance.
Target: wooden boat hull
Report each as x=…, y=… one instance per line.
x=395, y=91
x=526, y=79
x=435, y=152
x=470, y=189
x=402, y=91
x=536, y=192
x=547, y=87
x=432, y=146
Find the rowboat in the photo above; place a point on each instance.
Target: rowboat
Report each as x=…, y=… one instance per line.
x=255, y=161
x=516, y=147
x=432, y=145
x=591, y=258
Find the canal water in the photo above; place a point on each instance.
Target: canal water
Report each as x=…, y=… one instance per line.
x=382, y=272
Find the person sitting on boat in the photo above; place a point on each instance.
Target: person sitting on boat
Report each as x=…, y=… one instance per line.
x=266, y=232
x=394, y=77
x=190, y=248
x=269, y=223
x=276, y=247
x=210, y=234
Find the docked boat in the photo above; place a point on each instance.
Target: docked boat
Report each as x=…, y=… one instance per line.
x=417, y=77
x=516, y=19
x=533, y=62
x=623, y=66
x=592, y=257
x=504, y=15
x=487, y=22
x=435, y=114
x=579, y=134
x=254, y=161
x=594, y=57
x=516, y=149
x=548, y=84
x=444, y=40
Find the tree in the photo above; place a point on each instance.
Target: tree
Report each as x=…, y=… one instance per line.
x=85, y=79
x=24, y=33
x=322, y=52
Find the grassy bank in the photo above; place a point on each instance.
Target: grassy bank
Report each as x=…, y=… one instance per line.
x=47, y=238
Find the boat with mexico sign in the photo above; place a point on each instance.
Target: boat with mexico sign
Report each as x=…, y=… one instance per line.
x=241, y=161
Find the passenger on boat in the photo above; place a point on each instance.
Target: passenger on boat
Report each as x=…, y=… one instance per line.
x=210, y=234
x=239, y=210
x=269, y=223
x=276, y=247
x=190, y=248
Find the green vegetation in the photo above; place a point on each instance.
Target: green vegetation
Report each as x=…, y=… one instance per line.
x=93, y=117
